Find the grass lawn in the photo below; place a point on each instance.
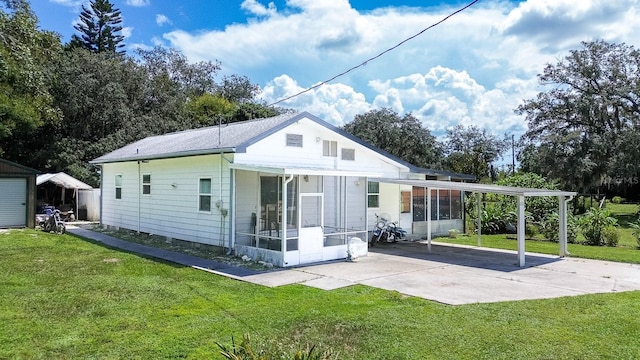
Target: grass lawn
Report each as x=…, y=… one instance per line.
x=65, y=298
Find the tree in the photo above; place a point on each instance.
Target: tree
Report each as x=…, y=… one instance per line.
x=403, y=137
x=100, y=28
x=26, y=58
x=579, y=127
x=472, y=150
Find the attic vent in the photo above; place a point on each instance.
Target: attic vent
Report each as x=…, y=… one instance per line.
x=294, y=140
x=348, y=154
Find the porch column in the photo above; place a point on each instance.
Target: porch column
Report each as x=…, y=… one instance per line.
x=521, y=228
x=429, y=220
x=562, y=220
x=479, y=219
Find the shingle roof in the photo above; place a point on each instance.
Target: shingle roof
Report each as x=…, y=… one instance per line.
x=207, y=140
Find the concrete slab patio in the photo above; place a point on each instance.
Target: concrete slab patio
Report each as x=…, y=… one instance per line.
x=450, y=274
x=458, y=275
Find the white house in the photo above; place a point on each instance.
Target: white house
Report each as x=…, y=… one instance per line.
x=290, y=189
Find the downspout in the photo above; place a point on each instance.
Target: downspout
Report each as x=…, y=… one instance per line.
x=139, y=195
x=101, y=191
x=232, y=186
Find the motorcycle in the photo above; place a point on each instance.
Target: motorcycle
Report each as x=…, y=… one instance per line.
x=54, y=223
x=382, y=231
x=398, y=232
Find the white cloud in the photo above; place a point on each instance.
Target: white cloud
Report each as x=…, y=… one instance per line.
x=162, y=19
x=138, y=3
x=333, y=103
x=475, y=68
x=255, y=8
x=127, y=31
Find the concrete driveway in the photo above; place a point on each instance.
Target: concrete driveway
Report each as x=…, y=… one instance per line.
x=457, y=275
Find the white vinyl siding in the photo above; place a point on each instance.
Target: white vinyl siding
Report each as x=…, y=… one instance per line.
x=171, y=211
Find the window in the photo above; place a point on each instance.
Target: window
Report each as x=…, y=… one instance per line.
x=329, y=148
x=444, y=206
x=146, y=184
x=373, y=195
x=294, y=140
x=419, y=204
x=204, y=195
x=456, y=204
x=405, y=202
x=119, y=186
x=348, y=154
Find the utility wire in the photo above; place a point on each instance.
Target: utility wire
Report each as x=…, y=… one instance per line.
x=377, y=56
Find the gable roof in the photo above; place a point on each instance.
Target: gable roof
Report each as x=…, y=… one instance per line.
x=10, y=168
x=63, y=180
x=201, y=141
x=236, y=137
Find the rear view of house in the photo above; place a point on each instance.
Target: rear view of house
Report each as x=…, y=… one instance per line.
x=290, y=190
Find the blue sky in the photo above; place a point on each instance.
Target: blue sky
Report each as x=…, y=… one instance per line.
x=476, y=68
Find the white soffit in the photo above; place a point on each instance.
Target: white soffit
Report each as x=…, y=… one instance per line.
x=288, y=170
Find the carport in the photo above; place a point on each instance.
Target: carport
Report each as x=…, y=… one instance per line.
x=521, y=193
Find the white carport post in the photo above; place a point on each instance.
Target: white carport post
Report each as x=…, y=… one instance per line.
x=521, y=228
x=479, y=220
x=562, y=220
x=429, y=220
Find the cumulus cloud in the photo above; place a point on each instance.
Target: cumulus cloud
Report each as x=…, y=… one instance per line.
x=332, y=102
x=475, y=68
x=162, y=19
x=255, y=8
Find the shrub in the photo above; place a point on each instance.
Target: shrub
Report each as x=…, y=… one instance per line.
x=635, y=230
x=610, y=236
x=550, y=227
x=618, y=200
x=245, y=351
x=595, y=226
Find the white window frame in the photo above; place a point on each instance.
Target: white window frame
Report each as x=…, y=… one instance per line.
x=201, y=194
x=118, y=187
x=329, y=148
x=143, y=184
x=376, y=194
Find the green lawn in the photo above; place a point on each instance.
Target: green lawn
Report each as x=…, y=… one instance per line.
x=65, y=298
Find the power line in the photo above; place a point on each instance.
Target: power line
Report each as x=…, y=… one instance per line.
x=377, y=56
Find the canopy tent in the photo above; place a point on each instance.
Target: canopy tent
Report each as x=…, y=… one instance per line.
x=520, y=193
x=52, y=190
x=63, y=180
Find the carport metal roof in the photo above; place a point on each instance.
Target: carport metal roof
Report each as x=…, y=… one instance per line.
x=521, y=193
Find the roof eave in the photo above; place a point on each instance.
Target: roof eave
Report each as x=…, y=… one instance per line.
x=180, y=154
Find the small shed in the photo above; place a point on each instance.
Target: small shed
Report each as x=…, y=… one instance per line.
x=17, y=195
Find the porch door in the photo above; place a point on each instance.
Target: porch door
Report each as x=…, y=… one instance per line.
x=311, y=235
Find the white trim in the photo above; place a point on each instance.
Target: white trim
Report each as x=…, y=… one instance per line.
x=482, y=188
x=303, y=171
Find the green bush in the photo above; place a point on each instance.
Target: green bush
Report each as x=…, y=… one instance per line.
x=610, y=236
x=550, y=228
x=635, y=230
x=618, y=200
x=595, y=226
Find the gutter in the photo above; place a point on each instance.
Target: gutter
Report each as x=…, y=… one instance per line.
x=165, y=156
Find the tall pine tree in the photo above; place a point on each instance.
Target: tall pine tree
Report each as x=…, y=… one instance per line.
x=100, y=28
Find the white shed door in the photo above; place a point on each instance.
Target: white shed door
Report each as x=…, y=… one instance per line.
x=13, y=202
